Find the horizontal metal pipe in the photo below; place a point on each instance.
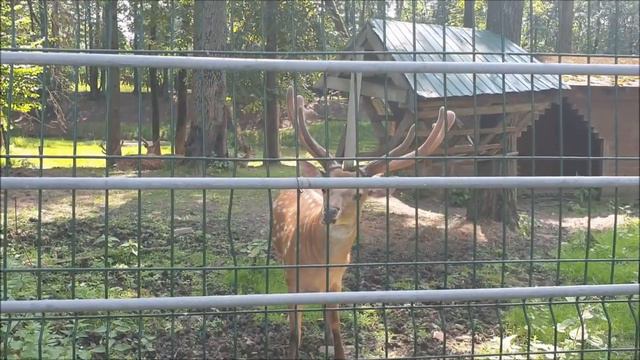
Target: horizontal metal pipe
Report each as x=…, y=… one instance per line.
x=470, y=182
x=297, y=53
x=168, y=158
x=353, y=297
x=288, y=65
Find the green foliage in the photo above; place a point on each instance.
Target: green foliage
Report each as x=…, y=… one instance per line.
x=19, y=88
x=602, y=247
x=524, y=226
x=596, y=316
x=56, y=339
x=459, y=197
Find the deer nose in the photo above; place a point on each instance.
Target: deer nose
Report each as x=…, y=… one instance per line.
x=330, y=214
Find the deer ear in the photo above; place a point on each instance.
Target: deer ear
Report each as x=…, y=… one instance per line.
x=308, y=170
x=377, y=193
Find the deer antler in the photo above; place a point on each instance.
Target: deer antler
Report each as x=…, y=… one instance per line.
x=434, y=140
x=316, y=150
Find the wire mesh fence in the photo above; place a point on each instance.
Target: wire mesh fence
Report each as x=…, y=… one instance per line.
x=513, y=230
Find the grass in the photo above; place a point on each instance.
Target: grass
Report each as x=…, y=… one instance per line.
x=568, y=333
x=63, y=147
x=21, y=145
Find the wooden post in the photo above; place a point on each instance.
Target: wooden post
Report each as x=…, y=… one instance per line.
x=352, y=119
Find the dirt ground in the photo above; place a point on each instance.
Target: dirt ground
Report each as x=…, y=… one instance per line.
x=420, y=234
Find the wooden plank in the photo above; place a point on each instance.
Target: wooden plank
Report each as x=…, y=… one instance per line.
x=468, y=149
x=350, y=137
x=463, y=132
x=459, y=102
x=484, y=110
x=368, y=88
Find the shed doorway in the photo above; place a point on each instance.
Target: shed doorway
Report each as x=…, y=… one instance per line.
x=575, y=142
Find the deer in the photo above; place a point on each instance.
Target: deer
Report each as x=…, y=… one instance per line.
x=153, y=149
x=328, y=217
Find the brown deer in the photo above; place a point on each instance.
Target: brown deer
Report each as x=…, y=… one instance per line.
x=334, y=211
x=125, y=164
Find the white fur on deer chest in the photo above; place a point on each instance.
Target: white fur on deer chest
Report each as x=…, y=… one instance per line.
x=341, y=238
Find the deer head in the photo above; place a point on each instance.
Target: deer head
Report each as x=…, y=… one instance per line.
x=340, y=205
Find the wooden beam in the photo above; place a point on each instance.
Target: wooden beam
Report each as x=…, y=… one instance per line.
x=469, y=149
x=368, y=88
x=430, y=112
x=350, y=131
x=463, y=132
x=376, y=120
x=458, y=102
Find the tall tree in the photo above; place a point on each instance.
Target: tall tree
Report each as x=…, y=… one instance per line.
x=505, y=18
x=94, y=30
x=153, y=82
x=338, y=23
x=209, y=87
x=181, y=118
x=441, y=12
x=565, y=34
x=113, y=81
x=469, y=15
x=399, y=8
x=272, y=122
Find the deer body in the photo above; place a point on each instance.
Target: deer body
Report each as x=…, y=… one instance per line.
x=324, y=230
x=153, y=149
x=308, y=245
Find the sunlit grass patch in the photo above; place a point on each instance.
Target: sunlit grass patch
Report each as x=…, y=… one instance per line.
x=62, y=147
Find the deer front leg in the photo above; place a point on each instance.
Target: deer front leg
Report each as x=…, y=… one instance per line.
x=295, y=331
x=334, y=323
x=333, y=317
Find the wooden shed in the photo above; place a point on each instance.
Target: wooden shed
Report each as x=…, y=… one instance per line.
x=501, y=105
x=599, y=118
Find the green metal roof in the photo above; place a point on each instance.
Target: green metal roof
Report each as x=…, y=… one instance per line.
x=397, y=36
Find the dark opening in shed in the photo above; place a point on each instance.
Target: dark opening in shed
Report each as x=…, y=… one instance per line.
x=575, y=136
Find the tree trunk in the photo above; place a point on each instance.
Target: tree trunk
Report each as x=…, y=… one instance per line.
x=399, y=8
x=338, y=23
x=441, y=10
x=271, y=79
x=155, y=106
x=105, y=45
x=113, y=83
x=209, y=89
x=164, y=85
x=612, y=29
x=54, y=41
x=93, y=43
x=154, y=88
x=505, y=18
x=181, y=121
x=565, y=34
x=494, y=204
x=469, y=15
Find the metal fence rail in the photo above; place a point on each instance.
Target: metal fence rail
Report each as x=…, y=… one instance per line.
x=489, y=182
x=242, y=64
x=357, y=297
